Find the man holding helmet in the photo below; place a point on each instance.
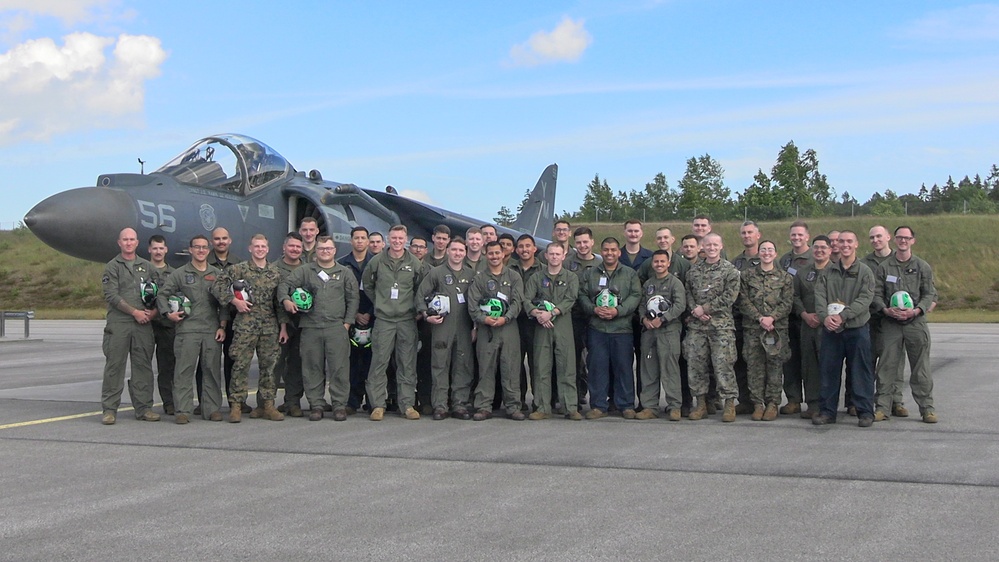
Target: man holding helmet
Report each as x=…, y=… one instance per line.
x=331, y=290
x=496, y=297
x=443, y=301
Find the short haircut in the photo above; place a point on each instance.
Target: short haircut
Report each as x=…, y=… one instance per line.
x=693, y=237
x=583, y=231
x=554, y=245
x=309, y=219
x=842, y=232
x=442, y=229
x=662, y=228
x=321, y=239
x=457, y=240
x=472, y=230
x=702, y=216
x=608, y=240
x=157, y=238
x=798, y=223
x=661, y=253
x=293, y=235
x=632, y=221
x=198, y=237
x=563, y=221
x=485, y=226
x=378, y=234
x=415, y=238
x=258, y=237
x=508, y=236
x=912, y=232
x=494, y=243
x=525, y=237
x=399, y=228
x=822, y=238
x=357, y=229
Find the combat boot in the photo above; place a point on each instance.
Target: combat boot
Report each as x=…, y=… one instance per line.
x=258, y=412
x=701, y=410
x=728, y=414
x=791, y=408
x=771, y=413
x=270, y=412
x=235, y=412
x=758, y=412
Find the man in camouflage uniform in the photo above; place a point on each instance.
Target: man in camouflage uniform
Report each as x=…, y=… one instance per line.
x=497, y=338
x=765, y=298
x=257, y=328
x=128, y=332
x=810, y=326
x=163, y=330
x=661, y=340
x=712, y=289
x=199, y=333
x=325, y=327
x=558, y=287
x=905, y=331
x=289, y=364
x=451, y=335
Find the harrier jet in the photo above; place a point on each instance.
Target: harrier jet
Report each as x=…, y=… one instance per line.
x=242, y=184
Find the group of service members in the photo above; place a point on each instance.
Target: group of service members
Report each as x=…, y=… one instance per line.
x=460, y=327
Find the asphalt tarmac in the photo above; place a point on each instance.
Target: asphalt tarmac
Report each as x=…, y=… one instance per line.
x=500, y=489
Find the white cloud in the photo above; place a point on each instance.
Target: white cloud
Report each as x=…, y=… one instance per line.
x=565, y=43
x=417, y=195
x=977, y=22
x=69, y=11
x=50, y=89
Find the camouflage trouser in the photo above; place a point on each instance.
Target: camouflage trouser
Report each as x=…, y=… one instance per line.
x=705, y=349
x=266, y=346
x=765, y=372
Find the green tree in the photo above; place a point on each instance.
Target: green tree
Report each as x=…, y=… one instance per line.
x=703, y=184
x=598, y=201
x=504, y=217
x=797, y=179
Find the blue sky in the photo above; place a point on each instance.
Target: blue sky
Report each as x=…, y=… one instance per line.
x=464, y=103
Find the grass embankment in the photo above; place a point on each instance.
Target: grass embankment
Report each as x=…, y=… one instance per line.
x=963, y=250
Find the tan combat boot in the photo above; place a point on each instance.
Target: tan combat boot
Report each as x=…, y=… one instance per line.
x=771, y=413
x=701, y=410
x=270, y=412
x=728, y=414
x=758, y=412
x=235, y=412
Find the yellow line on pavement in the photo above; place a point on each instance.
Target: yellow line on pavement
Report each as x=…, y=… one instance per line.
x=60, y=418
x=249, y=392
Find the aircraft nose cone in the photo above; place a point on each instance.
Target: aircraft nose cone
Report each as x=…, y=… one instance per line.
x=83, y=222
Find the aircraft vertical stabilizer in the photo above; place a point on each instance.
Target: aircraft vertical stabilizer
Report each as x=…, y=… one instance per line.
x=537, y=218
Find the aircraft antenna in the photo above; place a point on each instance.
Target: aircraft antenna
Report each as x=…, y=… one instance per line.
x=142, y=165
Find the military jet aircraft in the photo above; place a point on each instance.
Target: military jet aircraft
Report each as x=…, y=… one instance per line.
x=239, y=183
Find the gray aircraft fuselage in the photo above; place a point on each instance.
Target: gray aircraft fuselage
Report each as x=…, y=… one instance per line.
x=241, y=184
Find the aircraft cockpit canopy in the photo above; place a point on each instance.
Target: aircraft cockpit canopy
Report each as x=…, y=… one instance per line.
x=232, y=163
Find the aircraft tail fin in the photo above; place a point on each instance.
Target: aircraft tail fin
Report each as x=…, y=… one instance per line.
x=537, y=217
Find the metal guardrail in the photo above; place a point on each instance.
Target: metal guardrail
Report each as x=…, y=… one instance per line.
x=26, y=314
